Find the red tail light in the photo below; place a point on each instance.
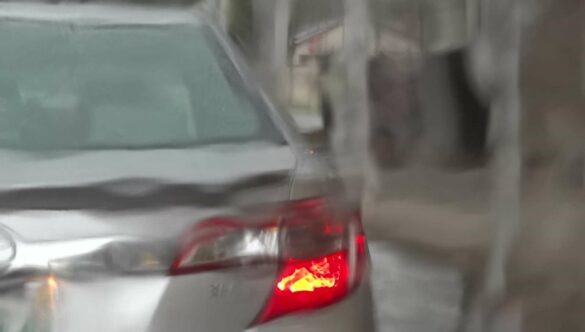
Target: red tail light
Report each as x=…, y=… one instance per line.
x=321, y=253
x=308, y=284
x=324, y=258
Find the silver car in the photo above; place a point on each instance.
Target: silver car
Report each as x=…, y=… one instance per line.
x=147, y=184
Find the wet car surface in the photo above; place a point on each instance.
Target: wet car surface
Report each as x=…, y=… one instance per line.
x=148, y=185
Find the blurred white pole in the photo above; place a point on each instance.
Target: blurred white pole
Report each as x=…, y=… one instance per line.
x=281, y=23
x=500, y=36
x=271, y=25
x=351, y=132
x=217, y=12
x=282, y=11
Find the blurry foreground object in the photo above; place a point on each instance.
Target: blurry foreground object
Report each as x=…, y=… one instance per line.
x=524, y=63
x=546, y=270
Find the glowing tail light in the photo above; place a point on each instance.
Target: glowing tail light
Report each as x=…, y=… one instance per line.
x=324, y=259
x=308, y=284
x=321, y=254
x=313, y=275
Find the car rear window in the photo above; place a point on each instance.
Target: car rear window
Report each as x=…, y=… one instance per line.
x=72, y=86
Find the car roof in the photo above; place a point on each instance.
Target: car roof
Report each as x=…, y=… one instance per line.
x=95, y=14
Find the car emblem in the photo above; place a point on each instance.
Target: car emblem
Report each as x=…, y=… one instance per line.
x=7, y=249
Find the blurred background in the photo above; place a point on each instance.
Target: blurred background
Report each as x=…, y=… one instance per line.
x=458, y=123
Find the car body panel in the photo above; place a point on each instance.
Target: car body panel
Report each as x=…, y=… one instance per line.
x=350, y=315
x=97, y=13
x=204, y=166
x=56, y=243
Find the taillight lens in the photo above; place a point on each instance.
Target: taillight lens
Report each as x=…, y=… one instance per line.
x=308, y=284
x=324, y=258
x=321, y=252
x=221, y=243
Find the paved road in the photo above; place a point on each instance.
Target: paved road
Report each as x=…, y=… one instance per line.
x=413, y=295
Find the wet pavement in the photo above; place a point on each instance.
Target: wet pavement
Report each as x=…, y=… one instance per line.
x=411, y=294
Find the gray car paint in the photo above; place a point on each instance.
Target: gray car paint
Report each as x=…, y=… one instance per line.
x=53, y=221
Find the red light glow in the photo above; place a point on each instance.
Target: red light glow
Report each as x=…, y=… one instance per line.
x=309, y=284
x=360, y=242
x=309, y=279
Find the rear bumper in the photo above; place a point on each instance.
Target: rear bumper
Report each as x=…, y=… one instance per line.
x=157, y=304
x=354, y=314
x=206, y=302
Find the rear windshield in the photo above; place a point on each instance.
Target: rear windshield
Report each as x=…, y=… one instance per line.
x=67, y=86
